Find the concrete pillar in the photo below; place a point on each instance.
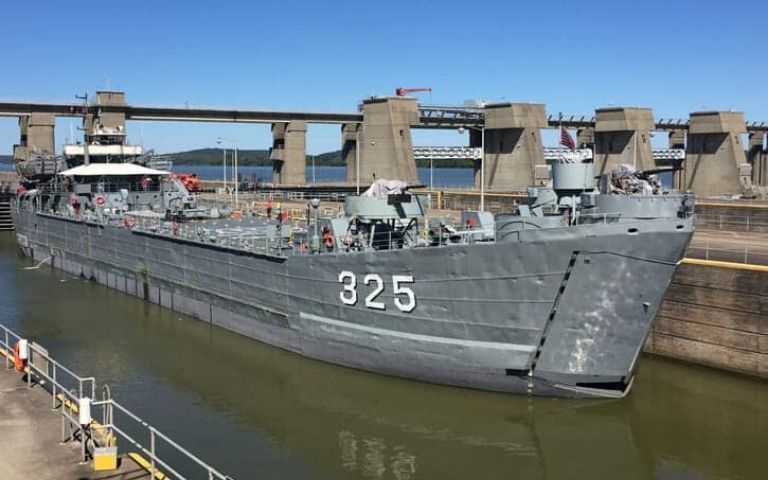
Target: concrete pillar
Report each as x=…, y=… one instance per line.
x=513, y=144
x=622, y=136
x=36, y=135
x=715, y=153
x=349, y=132
x=109, y=119
x=20, y=150
x=386, y=148
x=676, y=140
x=757, y=158
x=585, y=137
x=40, y=132
x=289, y=153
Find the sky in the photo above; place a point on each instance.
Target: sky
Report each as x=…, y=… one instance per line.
x=673, y=56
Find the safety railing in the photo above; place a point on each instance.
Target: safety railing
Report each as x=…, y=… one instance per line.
x=67, y=392
x=749, y=254
x=154, y=442
x=732, y=223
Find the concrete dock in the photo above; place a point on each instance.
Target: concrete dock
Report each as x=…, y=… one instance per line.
x=30, y=445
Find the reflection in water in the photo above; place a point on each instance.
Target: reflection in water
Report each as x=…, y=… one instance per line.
x=259, y=412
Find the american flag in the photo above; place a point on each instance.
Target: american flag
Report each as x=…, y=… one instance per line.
x=566, y=139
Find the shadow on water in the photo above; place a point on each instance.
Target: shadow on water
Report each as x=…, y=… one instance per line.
x=259, y=412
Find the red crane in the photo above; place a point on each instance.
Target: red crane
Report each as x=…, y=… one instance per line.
x=403, y=91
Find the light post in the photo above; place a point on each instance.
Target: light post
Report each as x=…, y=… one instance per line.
x=431, y=183
x=482, y=163
x=315, y=241
x=236, y=179
x=357, y=161
x=482, y=168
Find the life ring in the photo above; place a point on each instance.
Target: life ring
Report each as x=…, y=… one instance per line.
x=328, y=240
x=129, y=222
x=99, y=200
x=18, y=362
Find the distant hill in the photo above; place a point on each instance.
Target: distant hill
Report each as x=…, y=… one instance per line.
x=213, y=156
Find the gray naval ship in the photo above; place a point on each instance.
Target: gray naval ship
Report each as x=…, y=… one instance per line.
x=555, y=299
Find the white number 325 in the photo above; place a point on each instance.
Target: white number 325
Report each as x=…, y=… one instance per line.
x=403, y=296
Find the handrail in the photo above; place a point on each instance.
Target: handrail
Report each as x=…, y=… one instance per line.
x=54, y=381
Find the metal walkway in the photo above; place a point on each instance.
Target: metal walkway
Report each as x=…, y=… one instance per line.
x=72, y=395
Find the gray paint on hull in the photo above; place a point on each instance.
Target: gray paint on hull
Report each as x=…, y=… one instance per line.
x=470, y=297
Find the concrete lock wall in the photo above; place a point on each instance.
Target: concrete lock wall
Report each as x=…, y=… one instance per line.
x=716, y=317
x=715, y=153
x=512, y=144
x=386, y=148
x=622, y=136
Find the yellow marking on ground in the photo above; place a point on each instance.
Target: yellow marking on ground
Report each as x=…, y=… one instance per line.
x=732, y=265
x=143, y=463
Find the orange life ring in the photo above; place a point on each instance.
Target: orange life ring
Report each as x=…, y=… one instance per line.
x=17, y=360
x=129, y=222
x=99, y=200
x=328, y=240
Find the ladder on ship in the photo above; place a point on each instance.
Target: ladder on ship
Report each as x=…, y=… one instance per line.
x=6, y=221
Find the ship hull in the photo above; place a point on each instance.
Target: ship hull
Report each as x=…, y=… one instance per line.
x=555, y=312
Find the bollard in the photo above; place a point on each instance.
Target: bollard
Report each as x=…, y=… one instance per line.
x=84, y=419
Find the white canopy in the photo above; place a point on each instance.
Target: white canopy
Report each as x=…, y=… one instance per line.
x=111, y=169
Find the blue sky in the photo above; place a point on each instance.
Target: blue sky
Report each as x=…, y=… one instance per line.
x=675, y=57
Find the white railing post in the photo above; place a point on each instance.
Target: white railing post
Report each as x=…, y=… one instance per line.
x=53, y=386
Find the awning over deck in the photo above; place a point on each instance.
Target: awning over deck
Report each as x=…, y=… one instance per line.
x=111, y=169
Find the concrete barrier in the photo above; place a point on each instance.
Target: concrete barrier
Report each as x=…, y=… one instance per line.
x=715, y=316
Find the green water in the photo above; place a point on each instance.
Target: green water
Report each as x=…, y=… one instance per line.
x=258, y=412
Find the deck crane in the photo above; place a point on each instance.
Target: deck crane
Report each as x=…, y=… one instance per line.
x=403, y=91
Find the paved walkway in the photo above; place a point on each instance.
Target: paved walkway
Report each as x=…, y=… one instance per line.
x=30, y=434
